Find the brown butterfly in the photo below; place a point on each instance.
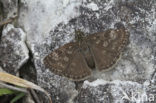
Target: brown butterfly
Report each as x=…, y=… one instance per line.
x=76, y=60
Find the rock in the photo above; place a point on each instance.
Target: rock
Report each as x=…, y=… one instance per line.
x=13, y=50
x=10, y=8
x=101, y=91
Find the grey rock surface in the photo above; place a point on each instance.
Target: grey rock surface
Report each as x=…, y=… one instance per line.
x=51, y=24
x=13, y=50
x=101, y=91
x=10, y=8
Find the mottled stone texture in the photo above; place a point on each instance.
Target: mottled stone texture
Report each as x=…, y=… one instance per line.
x=101, y=91
x=50, y=24
x=13, y=51
x=10, y=8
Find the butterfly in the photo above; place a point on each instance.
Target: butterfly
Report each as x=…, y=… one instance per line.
x=76, y=60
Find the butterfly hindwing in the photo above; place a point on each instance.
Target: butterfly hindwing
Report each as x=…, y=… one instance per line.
x=78, y=68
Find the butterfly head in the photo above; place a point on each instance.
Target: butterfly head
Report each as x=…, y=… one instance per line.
x=79, y=35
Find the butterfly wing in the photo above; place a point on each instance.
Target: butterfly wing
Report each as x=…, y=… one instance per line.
x=68, y=62
x=78, y=69
x=58, y=60
x=106, y=47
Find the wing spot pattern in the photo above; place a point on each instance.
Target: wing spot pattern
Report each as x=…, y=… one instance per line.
x=69, y=52
x=61, y=65
x=55, y=54
x=94, y=38
x=105, y=44
x=66, y=59
x=97, y=42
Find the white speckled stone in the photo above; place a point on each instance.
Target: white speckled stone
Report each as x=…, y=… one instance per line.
x=13, y=50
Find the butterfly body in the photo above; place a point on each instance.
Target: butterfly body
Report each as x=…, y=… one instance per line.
x=84, y=49
x=76, y=60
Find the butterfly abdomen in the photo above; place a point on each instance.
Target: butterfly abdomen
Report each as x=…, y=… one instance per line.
x=85, y=50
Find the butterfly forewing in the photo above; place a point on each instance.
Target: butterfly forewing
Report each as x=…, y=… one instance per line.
x=118, y=39
x=106, y=47
x=59, y=59
x=68, y=61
